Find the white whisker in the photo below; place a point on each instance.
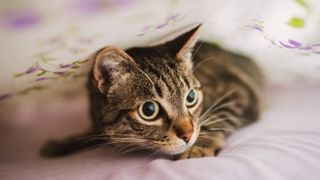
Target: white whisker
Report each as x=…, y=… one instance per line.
x=203, y=61
x=153, y=154
x=216, y=121
x=220, y=129
x=135, y=148
x=204, y=115
x=195, y=52
x=204, y=121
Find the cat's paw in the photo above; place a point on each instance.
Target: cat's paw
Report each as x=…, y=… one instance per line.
x=203, y=148
x=198, y=152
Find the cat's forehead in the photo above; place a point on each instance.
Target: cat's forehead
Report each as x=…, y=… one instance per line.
x=169, y=78
x=153, y=54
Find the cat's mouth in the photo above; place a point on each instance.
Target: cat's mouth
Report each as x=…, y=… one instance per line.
x=178, y=146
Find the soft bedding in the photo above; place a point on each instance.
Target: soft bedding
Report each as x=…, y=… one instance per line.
x=43, y=44
x=284, y=145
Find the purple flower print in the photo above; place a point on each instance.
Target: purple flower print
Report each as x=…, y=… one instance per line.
x=258, y=28
x=5, y=96
x=289, y=44
x=160, y=26
x=286, y=45
x=122, y=3
x=168, y=21
x=294, y=43
x=21, y=19
x=61, y=72
x=92, y=7
x=32, y=69
x=72, y=66
x=306, y=48
x=146, y=28
x=42, y=79
x=89, y=7
x=55, y=40
x=65, y=65
x=172, y=17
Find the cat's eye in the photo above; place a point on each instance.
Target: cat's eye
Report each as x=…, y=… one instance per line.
x=191, y=98
x=149, y=110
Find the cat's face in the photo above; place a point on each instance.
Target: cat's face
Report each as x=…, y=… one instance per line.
x=148, y=96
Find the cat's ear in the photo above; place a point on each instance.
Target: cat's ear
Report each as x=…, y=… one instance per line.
x=110, y=66
x=182, y=46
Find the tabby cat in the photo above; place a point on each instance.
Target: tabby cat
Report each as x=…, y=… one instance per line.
x=180, y=98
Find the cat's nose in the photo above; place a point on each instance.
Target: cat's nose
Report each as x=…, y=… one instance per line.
x=186, y=136
x=184, y=131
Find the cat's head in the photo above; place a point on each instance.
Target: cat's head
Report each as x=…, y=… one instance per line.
x=148, y=96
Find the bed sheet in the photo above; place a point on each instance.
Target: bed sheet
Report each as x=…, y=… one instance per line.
x=283, y=145
x=43, y=44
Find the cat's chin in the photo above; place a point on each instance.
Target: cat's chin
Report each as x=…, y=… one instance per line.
x=177, y=149
x=173, y=150
x=180, y=146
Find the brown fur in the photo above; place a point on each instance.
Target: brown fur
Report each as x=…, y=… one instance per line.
x=228, y=87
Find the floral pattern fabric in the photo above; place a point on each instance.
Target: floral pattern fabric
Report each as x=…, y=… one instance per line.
x=42, y=42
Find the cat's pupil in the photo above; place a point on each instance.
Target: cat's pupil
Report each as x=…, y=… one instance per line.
x=148, y=108
x=191, y=96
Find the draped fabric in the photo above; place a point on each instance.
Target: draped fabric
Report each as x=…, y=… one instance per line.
x=44, y=47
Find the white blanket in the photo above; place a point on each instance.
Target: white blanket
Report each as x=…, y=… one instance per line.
x=44, y=43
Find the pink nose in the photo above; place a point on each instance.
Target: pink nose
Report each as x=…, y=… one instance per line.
x=186, y=136
x=183, y=129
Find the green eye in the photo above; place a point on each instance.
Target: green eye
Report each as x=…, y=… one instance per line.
x=191, y=98
x=149, y=110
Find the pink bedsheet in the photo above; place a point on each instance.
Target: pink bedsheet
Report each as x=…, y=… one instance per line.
x=284, y=145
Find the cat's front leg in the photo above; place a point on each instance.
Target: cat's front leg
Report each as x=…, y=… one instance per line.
x=56, y=148
x=207, y=145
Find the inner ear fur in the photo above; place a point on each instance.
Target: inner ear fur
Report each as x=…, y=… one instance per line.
x=182, y=46
x=109, y=65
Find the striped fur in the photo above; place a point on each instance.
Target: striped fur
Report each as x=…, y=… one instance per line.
x=228, y=87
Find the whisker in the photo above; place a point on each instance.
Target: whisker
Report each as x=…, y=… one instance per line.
x=135, y=148
x=95, y=146
x=89, y=137
x=209, y=119
x=216, y=121
x=155, y=153
x=100, y=137
x=121, y=135
x=203, y=61
x=220, y=129
x=216, y=103
x=195, y=52
x=124, y=147
x=122, y=142
x=230, y=116
x=223, y=106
